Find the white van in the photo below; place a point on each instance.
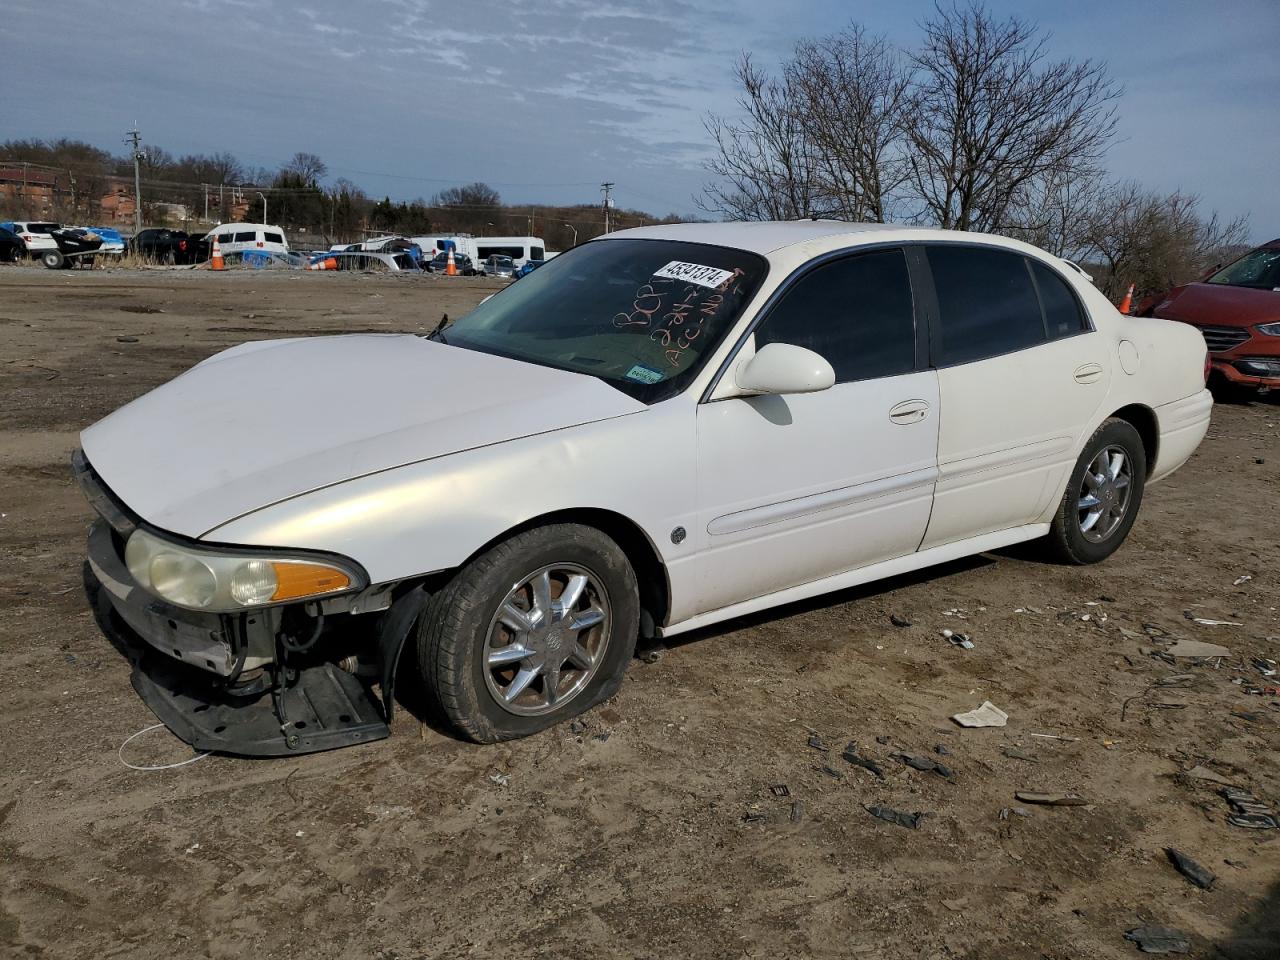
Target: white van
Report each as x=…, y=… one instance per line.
x=518, y=249
x=436, y=243
x=241, y=237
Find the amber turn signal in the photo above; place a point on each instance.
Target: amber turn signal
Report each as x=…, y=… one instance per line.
x=295, y=580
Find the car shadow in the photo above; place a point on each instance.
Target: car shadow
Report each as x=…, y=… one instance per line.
x=1257, y=935
x=850, y=595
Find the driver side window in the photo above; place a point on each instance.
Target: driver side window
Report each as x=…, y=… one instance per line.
x=855, y=312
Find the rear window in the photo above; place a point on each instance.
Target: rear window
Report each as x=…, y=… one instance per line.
x=273, y=238
x=245, y=237
x=536, y=253
x=987, y=303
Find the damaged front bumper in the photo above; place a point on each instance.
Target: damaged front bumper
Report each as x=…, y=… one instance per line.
x=241, y=683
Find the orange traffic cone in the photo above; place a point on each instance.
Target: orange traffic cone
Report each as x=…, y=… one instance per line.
x=216, y=262
x=328, y=263
x=451, y=270
x=1127, y=302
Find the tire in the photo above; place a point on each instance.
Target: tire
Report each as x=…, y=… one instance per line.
x=469, y=619
x=1072, y=537
x=53, y=259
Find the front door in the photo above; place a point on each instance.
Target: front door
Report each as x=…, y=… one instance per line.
x=792, y=489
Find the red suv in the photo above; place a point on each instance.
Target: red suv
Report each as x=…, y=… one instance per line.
x=1237, y=309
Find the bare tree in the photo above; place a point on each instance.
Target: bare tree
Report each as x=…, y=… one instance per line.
x=853, y=93
x=765, y=163
x=991, y=115
x=309, y=168
x=1053, y=212
x=472, y=195
x=1155, y=241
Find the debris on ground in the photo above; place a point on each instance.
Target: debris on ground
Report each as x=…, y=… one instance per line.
x=501, y=779
x=898, y=621
x=751, y=817
x=652, y=655
x=866, y=763
x=882, y=739
x=1050, y=799
x=1209, y=622
x=1020, y=811
x=1244, y=578
x=941, y=749
x=987, y=715
x=1159, y=939
x=1264, y=665
x=816, y=742
x=1054, y=736
x=1199, y=772
x=126, y=339
x=919, y=762
x=1197, y=648
x=797, y=811
x=889, y=815
x=958, y=639
x=780, y=790
x=831, y=772
x=1201, y=876
x=1249, y=811
x=1016, y=753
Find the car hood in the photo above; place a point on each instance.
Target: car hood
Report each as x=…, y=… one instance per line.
x=270, y=420
x=1216, y=304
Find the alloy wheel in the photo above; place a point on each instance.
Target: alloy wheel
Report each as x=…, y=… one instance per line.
x=1105, y=491
x=547, y=639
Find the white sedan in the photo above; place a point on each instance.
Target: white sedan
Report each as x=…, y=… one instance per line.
x=658, y=430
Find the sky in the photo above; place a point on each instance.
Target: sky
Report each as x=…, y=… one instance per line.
x=544, y=101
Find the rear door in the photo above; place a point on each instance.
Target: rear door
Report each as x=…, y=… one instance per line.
x=1021, y=373
x=792, y=489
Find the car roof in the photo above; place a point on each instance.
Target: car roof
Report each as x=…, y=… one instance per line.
x=764, y=236
x=770, y=236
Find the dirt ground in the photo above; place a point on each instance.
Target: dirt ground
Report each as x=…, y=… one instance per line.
x=654, y=831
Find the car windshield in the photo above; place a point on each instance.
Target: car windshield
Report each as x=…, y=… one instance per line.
x=1258, y=268
x=642, y=315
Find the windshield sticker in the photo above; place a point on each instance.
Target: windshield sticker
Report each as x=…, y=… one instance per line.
x=642, y=374
x=694, y=273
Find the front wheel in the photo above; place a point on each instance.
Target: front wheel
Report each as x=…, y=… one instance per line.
x=534, y=631
x=1102, y=497
x=54, y=260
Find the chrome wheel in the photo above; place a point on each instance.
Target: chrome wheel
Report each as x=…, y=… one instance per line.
x=1105, y=491
x=547, y=639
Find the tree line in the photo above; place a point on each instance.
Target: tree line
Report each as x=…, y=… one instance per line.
x=974, y=128
x=297, y=196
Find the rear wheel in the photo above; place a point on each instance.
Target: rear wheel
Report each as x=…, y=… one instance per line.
x=534, y=631
x=53, y=259
x=1102, y=497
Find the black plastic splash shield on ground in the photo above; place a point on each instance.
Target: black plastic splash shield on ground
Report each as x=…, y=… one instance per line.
x=326, y=708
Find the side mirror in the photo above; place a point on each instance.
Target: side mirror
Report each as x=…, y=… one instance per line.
x=781, y=368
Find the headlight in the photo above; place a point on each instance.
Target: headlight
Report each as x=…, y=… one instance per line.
x=1270, y=329
x=224, y=582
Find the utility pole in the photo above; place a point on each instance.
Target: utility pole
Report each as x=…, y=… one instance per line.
x=135, y=140
x=608, y=202
x=204, y=188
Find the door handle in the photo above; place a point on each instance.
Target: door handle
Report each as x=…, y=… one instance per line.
x=909, y=411
x=1088, y=373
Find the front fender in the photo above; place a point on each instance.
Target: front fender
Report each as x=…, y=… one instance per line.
x=430, y=516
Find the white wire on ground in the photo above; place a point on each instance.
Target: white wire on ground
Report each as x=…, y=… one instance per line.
x=163, y=766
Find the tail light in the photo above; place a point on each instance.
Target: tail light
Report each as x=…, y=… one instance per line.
x=182, y=244
x=1208, y=366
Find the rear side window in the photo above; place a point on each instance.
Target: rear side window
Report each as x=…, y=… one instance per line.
x=246, y=236
x=856, y=313
x=273, y=238
x=1062, y=314
x=987, y=304
x=536, y=253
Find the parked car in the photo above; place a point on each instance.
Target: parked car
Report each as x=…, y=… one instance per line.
x=528, y=267
x=368, y=261
x=499, y=266
x=36, y=235
x=1237, y=308
x=461, y=262
x=238, y=237
x=168, y=246
x=11, y=246
x=662, y=429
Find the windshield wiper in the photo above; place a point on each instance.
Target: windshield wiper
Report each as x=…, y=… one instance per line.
x=438, y=333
